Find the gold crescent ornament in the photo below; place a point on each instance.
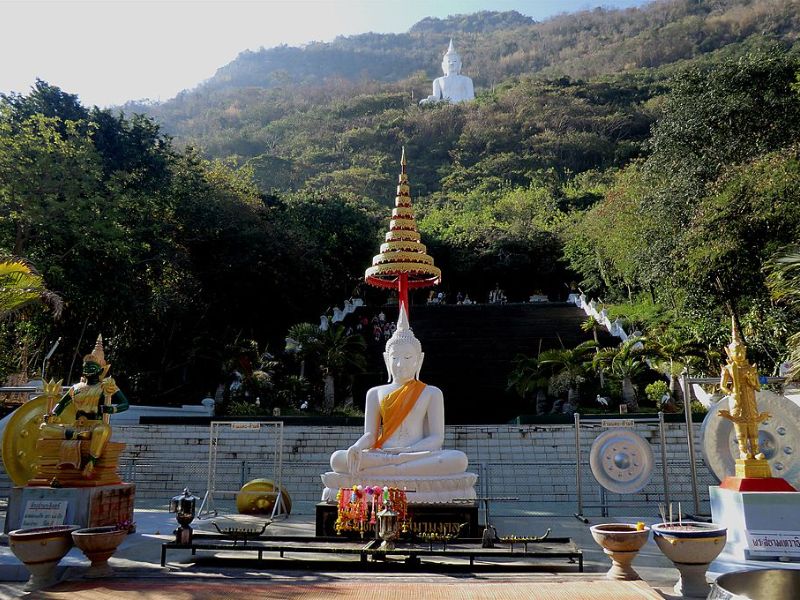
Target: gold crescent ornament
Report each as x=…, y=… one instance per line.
x=20, y=456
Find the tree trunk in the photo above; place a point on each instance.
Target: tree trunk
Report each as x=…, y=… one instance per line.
x=541, y=401
x=675, y=388
x=572, y=402
x=349, y=400
x=329, y=393
x=629, y=395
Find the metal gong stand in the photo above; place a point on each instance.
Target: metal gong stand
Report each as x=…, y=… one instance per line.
x=622, y=459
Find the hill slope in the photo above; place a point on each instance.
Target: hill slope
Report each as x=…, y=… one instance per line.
x=494, y=47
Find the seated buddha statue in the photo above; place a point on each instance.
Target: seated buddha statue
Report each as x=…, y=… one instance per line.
x=453, y=87
x=403, y=433
x=93, y=397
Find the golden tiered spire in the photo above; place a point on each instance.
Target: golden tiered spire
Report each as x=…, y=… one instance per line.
x=403, y=262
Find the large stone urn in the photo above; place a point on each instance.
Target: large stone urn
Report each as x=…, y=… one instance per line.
x=691, y=547
x=98, y=544
x=40, y=549
x=621, y=542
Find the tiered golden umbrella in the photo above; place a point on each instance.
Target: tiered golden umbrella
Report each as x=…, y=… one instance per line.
x=403, y=262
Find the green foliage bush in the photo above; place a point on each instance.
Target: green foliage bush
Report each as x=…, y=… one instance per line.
x=655, y=391
x=243, y=409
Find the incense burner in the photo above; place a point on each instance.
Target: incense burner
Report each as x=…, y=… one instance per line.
x=691, y=547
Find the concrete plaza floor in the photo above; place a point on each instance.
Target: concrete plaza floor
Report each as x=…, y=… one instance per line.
x=136, y=564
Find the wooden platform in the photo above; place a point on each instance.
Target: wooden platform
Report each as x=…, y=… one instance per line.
x=469, y=548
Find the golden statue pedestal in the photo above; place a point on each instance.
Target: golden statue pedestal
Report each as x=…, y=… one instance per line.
x=754, y=475
x=752, y=467
x=51, y=473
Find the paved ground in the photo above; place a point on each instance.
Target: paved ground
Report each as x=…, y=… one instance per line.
x=138, y=573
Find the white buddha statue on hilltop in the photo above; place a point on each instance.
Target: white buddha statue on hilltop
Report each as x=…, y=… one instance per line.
x=403, y=435
x=453, y=87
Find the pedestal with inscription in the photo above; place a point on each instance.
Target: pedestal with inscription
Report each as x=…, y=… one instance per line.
x=761, y=525
x=87, y=507
x=457, y=519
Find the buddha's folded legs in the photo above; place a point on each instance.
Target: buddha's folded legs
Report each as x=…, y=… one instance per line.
x=437, y=462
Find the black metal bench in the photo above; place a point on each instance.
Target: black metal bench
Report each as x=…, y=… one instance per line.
x=550, y=548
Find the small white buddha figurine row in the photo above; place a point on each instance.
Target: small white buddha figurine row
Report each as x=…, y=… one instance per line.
x=453, y=87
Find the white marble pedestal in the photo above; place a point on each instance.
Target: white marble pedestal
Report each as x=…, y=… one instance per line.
x=761, y=525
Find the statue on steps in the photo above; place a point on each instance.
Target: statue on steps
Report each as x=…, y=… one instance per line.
x=453, y=87
x=403, y=434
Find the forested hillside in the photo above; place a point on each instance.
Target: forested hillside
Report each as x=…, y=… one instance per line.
x=649, y=156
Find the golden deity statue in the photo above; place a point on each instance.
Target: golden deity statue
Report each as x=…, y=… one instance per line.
x=60, y=440
x=740, y=381
x=94, y=398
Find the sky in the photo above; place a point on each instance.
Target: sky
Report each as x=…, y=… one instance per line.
x=112, y=51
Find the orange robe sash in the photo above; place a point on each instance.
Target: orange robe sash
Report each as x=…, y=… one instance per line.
x=395, y=407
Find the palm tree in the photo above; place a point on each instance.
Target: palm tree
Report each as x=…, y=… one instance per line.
x=592, y=324
x=783, y=281
x=300, y=341
x=21, y=285
x=570, y=365
x=530, y=376
x=340, y=354
x=625, y=362
x=675, y=351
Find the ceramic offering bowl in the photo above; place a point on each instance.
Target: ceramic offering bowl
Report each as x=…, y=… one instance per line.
x=691, y=546
x=98, y=544
x=40, y=549
x=621, y=541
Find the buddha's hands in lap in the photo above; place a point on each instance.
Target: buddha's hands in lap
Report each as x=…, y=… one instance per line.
x=354, y=459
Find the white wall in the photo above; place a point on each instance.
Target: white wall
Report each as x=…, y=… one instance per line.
x=535, y=463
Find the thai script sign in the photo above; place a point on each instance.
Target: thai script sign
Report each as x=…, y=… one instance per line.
x=44, y=513
x=774, y=543
x=245, y=425
x=627, y=423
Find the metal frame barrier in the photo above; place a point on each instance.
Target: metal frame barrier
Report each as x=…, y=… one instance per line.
x=276, y=427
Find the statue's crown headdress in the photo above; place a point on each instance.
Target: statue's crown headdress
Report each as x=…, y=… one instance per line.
x=451, y=50
x=736, y=337
x=403, y=334
x=98, y=354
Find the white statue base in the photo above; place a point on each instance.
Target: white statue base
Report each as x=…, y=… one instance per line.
x=761, y=525
x=431, y=489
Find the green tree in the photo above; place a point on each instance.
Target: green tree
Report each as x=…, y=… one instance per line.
x=341, y=355
x=21, y=285
x=674, y=350
x=529, y=376
x=570, y=366
x=625, y=363
x=783, y=280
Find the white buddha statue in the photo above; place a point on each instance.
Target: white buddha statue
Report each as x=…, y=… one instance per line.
x=403, y=434
x=453, y=87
